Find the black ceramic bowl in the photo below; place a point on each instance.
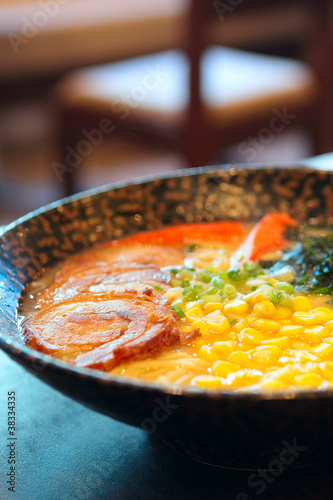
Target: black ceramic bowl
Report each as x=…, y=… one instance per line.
x=223, y=428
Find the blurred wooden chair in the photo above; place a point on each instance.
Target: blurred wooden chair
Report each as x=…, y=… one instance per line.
x=197, y=101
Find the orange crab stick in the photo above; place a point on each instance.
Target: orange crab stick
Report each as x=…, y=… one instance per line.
x=223, y=232
x=266, y=236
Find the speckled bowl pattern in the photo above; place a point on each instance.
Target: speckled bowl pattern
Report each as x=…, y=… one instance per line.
x=222, y=428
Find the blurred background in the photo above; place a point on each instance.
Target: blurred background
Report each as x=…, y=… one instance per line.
x=93, y=92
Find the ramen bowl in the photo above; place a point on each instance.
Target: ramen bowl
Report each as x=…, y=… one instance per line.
x=230, y=429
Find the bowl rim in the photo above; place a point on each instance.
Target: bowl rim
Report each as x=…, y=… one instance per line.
x=17, y=349
x=225, y=167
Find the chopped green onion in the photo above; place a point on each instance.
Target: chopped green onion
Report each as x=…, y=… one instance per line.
x=209, y=299
x=285, y=286
x=229, y=291
x=204, y=276
x=211, y=291
x=286, y=300
x=217, y=282
x=268, y=292
x=207, y=277
x=276, y=298
x=234, y=274
x=179, y=311
x=192, y=292
x=185, y=274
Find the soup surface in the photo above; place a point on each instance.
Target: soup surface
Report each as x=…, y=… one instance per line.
x=209, y=305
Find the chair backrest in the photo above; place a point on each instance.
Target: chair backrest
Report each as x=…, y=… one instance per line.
x=279, y=27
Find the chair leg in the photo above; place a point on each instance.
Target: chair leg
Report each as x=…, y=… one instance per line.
x=320, y=58
x=74, y=144
x=197, y=143
x=63, y=166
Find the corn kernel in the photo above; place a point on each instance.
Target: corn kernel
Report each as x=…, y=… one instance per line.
x=298, y=344
x=205, y=352
x=282, y=342
x=304, y=356
x=251, y=336
x=323, y=314
x=236, y=307
x=276, y=349
x=308, y=380
x=241, y=323
x=329, y=324
x=243, y=378
x=287, y=375
x=213, y=306
x=314, y=334
x=194, y=313
x=266, y=356
x=322, y=350
x=242, y=346
x=251, y=319
x=264, y=309
x=217, y=322
x=208, y=381
x=305, y=318
x=240, y=358
x=328, y=371
x=285, y=322
x=223, y=368
x=258, y=297
x=224, y=347
x=267, y=325
x=204, y=329
x=302, y=304
x=282, y=313
x=272, y=383
x=292, y=330
x=232, y=336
